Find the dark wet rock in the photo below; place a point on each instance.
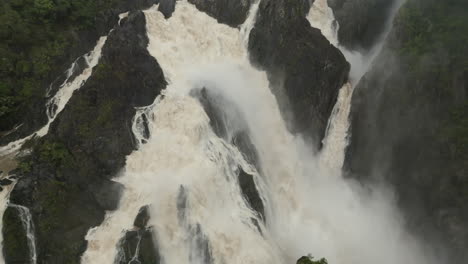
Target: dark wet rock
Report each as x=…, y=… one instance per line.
x=138, y=247
x=141, y=220
x=4, y=182
x=16, y=250
x=216, y=115
x=181, y=203
x=146, y=131
x=65, y=181
x=304, y=69
x=243, y=142
x=232, y=13
x=250, y=192
x=201, y=248
x=361, y=22
x=107, y=194
x=167, y=7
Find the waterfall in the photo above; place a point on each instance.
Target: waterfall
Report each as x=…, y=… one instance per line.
x=188, y=174
x=28, y=225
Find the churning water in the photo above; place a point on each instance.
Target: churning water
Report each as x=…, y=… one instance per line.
x=189, y=176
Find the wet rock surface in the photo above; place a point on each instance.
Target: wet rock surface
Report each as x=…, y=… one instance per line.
x=304, y=69
x=65, y=182
x=138, y=247
x=250, y=193
x=361, y=22
x=232, y=13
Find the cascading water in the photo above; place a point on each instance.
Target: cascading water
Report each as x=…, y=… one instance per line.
x=28, y=226
x=56, y=104
x=188, y=175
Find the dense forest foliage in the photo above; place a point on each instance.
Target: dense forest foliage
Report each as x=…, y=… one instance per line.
x=35, y=37
x=435, y=44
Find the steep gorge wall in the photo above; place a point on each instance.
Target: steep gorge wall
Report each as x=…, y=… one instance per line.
x=409, y=121
x=304, y=69
x=40, y=43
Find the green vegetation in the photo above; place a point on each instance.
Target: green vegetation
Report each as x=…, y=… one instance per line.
x=440, y=26
x=434, y=48
x=36, y=35
x=310, y=260
x=434, y=44
x=15, y=245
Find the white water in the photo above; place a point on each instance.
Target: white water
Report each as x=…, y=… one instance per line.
x=61, y=98
x=28, y=225
x=309, y=207
x=3, y=205
x=321, y=16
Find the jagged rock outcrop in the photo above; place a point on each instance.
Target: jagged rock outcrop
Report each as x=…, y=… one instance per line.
x=409, y=122
x=304, y=69
x=139, y=245
x=250, y=192
x=232, y=13
x=228, y=123
x=66, y=183
x=361, y=22
x=167, y=7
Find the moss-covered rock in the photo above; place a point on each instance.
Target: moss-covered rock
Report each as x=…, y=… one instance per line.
x=38, y=45
x=66, y=183
x=16, y=249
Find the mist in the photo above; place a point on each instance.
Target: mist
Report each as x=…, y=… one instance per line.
x=310, y=208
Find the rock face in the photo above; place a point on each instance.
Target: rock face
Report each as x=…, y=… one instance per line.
x=409, y=122
x=34, y=115
x=66, y=181
x=232, y=13
x=16, y=248
x=361, y=21
x=139, y=246
x=304, y=69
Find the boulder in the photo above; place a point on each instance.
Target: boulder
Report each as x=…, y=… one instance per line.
x=250, y=193
x=141, y=220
